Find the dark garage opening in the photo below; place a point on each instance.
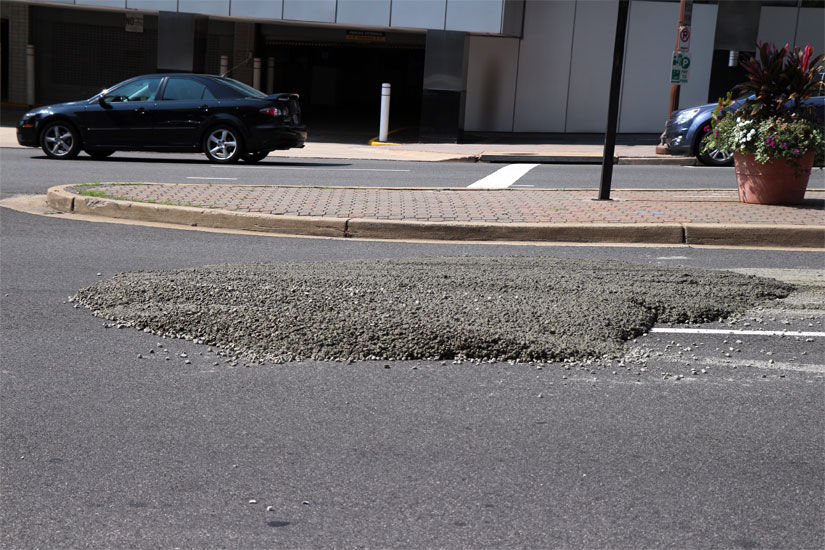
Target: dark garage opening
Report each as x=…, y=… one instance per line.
x=340, y=83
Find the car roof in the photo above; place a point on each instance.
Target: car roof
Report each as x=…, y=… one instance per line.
x=179, y=74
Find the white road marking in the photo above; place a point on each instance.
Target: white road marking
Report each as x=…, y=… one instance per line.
x=755, y=363
x=503, y=177
x=204, y=178
x=308, y=168
x=738, y=332
x=672, y=258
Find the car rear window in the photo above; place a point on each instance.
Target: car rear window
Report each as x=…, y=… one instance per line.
x=185, y=88
x=240, y=87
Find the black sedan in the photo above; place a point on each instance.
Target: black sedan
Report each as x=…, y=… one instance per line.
x=221, y=117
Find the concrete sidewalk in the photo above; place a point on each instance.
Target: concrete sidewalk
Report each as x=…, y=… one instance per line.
x=666, y=217
x=563, y=153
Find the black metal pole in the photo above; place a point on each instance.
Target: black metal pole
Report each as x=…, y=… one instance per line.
x=613, y=108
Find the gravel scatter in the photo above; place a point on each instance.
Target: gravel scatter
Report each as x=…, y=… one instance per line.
x=483, y=308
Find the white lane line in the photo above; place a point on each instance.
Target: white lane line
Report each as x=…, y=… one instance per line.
x=205, y=178
x=308, y=168
x=672, y=258
x=503, y=177
x=738, y=332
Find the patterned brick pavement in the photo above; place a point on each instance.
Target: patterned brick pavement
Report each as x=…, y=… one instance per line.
x=463, y=205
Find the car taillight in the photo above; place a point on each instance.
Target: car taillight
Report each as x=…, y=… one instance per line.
x=274, y=111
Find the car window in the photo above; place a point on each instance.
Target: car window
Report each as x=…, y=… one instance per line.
x=185, y=88
x=243, y=89
x=143, y=89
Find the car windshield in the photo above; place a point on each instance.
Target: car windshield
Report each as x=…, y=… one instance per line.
x=247, y=91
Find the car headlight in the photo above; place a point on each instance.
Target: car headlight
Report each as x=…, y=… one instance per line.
x=686, y=115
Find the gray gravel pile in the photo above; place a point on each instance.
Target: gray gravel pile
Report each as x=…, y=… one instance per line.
x=485, y=308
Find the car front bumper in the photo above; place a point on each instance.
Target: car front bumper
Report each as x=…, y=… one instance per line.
x=27, y=134
x=676, y=138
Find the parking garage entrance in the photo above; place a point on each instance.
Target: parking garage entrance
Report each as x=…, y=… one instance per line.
x=339, y=73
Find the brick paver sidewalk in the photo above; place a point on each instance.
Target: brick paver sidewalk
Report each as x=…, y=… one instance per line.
x=491, y=206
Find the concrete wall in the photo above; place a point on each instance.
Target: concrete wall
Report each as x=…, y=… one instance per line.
x=784, y=25
x=811, y=29
x=590, y=66
x=482, y=16
x=18, y=15
x=544, y=67
x=564, y=66
x=491, y=84
x=648, y=57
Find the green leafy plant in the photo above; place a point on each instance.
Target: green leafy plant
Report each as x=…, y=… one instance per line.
x=773, y=122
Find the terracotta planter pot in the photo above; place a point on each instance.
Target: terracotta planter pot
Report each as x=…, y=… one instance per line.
x=776, y=182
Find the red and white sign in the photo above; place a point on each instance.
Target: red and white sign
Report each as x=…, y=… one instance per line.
x=684, y=39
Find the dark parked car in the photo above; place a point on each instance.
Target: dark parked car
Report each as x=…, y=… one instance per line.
x=221, y=117
x=685, y=131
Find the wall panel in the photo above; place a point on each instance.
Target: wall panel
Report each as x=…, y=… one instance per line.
x=595, y=29
x=310, y=10
x=474, y=15
x=491, y=84
x=544, y=66
x=206, y=7
x=102, y=3
x=271, y=9
x=152, y=5
x=364, y=12
x=776, y=24
x=648, y=57
x=418, y=14
x=811, y=29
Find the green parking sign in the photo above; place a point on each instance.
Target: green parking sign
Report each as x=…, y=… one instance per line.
x=680, y=69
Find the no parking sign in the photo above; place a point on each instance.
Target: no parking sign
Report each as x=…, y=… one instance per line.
x=684, y=39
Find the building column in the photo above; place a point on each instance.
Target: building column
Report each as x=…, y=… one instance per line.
x=243, y=52
x=445, y=86
x=18, y=15
x=182, y=42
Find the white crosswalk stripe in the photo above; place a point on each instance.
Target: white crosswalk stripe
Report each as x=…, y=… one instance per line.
x=503, y=177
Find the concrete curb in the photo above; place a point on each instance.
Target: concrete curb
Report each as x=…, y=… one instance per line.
x=729, y=235
x=60, y=199
x=530, y=232
x=784, y=236
x=538, y=158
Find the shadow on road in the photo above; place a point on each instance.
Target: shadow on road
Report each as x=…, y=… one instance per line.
x=199, y=162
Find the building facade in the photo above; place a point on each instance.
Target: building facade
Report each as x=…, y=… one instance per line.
x=455, y=66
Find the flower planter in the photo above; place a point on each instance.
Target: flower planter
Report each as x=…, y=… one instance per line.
x=776, y=182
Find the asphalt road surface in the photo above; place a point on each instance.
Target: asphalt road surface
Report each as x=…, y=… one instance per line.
x=118, y=438
x=30, y=171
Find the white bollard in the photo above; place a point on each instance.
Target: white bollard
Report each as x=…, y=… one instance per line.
x=270, y=75
x=224, y=65
x=385, y=112
x=30, y=74
x=256, y=73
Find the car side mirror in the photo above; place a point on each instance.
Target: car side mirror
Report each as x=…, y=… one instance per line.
x=102, y=101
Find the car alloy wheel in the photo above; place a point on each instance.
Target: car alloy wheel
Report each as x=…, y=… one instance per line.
x=222, y=145
x=60, y=141
x=714, y=157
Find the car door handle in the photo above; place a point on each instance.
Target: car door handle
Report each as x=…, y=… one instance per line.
x=205, y=108
x=140, y=110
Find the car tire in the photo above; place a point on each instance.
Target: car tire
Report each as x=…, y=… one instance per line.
x=714, y=157
x=222, y=144
x=59, y=140
x=100, y=153
x=257, y=156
